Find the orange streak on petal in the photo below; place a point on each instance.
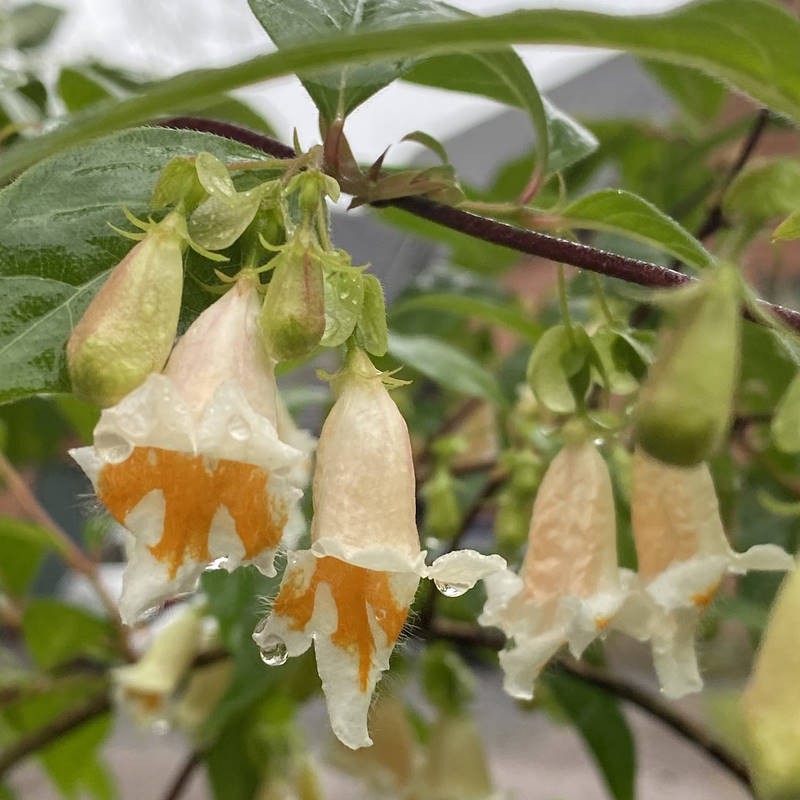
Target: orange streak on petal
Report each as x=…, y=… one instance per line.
x=194, y=487
x=353, y=589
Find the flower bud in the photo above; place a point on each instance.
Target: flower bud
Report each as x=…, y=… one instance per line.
x=128, y=329
x=292, y=319
x=771, y=700
x=685, y=405
x=456, y=765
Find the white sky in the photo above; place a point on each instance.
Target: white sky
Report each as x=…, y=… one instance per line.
x=159, y=37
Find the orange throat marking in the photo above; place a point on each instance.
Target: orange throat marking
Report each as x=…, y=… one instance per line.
x=702, y=599
x=353, y=589
x=194, y=488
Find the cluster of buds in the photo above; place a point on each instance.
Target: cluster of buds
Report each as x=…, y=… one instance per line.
x=196, y=456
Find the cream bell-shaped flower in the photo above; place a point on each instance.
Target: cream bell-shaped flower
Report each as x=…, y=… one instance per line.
x=569, y=587
x=351, y=592
x=683, y=555
x=145, y=689
x=192, y=462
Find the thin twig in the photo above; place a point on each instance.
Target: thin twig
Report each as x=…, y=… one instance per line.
x=181, y=782
x=473, y=636
x=70, y=551
x=542, y=245
x=41, y=737
x=715, y=219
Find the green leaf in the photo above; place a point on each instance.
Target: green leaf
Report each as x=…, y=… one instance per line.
x=789, y=228
x=489, y=310
x=624, y=364
x=445, y=365
x=597, y=717
x=71, y=760
x=338, y=92
x=22, y=548
x=763, y=191
x=621, y=212
x=448, y=682
x=231, y=771
x=786, y=422
x=372, y=331
x=568, y=141
x=78, y=88
x=700, y=98
x=559, y=368
x=749, y=44
x=29, y=25
x=57, y=246
x=56, y=633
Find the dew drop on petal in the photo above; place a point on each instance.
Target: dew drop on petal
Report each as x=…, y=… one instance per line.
x=261, y=627
x=273, y=651
x=451, y=589
x=112, y=447
x=238, y=428
x=217, y=563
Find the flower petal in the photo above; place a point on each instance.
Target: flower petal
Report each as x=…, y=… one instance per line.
x=522, y=663
x=464, y=568
x=355, y=616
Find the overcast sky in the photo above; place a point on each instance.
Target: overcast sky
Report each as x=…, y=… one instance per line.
x=158, y=37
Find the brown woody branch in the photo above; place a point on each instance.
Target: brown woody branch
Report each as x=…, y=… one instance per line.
x=534, y=243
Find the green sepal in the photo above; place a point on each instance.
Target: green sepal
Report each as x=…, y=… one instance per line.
x=178, y=185
x=344, y=299
x=371, y=330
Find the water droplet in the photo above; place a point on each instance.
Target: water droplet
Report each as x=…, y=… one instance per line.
x=112, y=447
x=273, y=651
x=380, y=614
x=238, y=428
x=260, y=628
x=161, y=726
x=451, y=589
x=217, y=563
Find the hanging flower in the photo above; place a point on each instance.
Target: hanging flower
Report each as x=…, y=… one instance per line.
x=351, y=592
x=569, y=587
x=191, y=462
x=683, y=555
x=145, y=689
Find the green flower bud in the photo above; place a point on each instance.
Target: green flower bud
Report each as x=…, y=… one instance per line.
x=292, y=318
x=128, y=329
x=685, y=405
x=771, y=699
